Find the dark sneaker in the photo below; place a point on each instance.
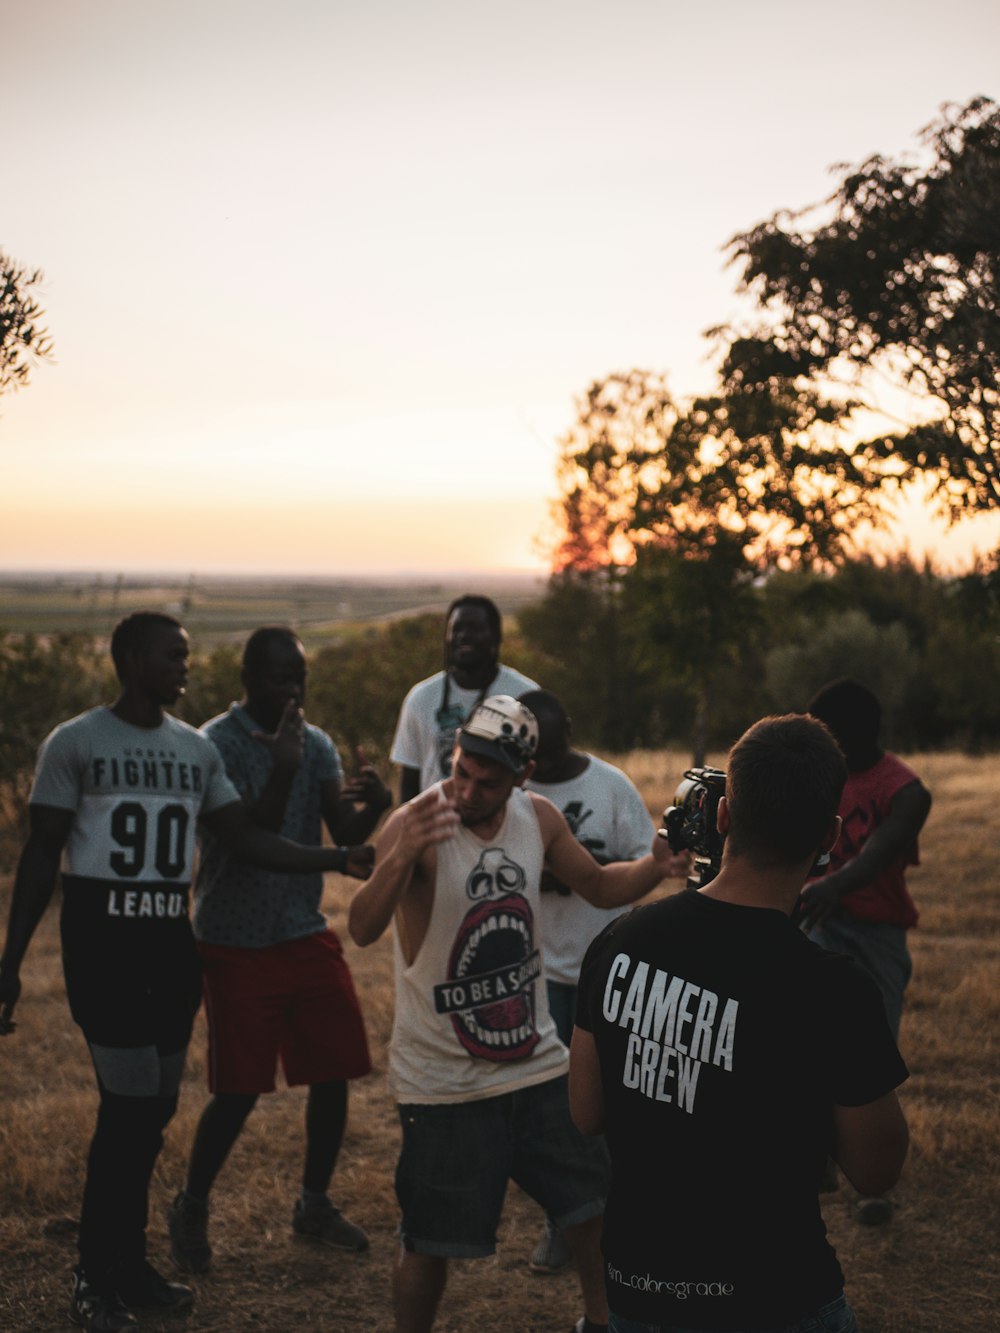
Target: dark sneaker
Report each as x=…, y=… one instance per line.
x=187, y=1221
x=830, y=1179
x=142, y=1288
x=551, y=1253
x=875, y=1211
x=98, y=1311
x=325, y=1223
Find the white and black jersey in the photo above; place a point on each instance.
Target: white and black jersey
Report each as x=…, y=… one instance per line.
x=136, y=793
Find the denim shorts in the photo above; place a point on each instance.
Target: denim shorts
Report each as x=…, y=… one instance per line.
x=881, y=950
x=835, y=1317
x=457, y=1158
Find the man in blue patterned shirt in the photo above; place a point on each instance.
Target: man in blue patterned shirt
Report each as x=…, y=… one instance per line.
x=274, y=973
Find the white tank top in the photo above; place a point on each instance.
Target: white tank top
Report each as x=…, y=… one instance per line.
x=472, y=1016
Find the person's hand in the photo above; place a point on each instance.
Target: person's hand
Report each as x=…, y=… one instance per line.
x=366, y=787
x=360, y=861
x=818, y=901
x=675, y=865
x=287, y=742
x=428, y=819
x=10, y=993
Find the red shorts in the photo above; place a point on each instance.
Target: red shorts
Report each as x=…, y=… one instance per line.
x=294, y=1001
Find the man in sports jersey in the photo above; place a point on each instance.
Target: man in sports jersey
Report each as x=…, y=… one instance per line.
x=425, y=731
x=608, y=816
x=116, y=797
x=862, y=906
x=723, y=1054
x=476, y=1064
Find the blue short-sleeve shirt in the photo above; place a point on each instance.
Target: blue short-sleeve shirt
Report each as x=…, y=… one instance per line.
x=241, y=905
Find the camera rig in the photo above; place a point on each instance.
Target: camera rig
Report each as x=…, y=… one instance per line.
x=689, y=823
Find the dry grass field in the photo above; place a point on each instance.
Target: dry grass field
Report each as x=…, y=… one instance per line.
x=933, y=1270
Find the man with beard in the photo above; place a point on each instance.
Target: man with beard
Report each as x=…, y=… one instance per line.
x=476, y=1064
x=117, y=793
x=425, y=731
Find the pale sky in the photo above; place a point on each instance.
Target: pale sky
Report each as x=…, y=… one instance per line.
x=324, y=279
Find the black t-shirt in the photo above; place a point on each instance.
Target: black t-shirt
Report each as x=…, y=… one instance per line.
x=725, y=1037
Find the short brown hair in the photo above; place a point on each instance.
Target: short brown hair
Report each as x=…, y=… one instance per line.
x=783, y=787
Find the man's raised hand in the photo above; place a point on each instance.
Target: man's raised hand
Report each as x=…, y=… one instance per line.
x=287, y=742
x=428, y=819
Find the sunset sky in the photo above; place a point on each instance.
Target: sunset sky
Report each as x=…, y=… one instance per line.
x=324, y=279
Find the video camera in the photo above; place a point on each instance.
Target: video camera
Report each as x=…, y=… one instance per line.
x=690, y=822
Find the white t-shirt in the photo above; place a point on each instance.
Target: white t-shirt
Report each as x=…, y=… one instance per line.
x=608, y=816
x=425, y=732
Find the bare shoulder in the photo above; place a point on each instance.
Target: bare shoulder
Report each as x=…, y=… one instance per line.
x=550, y=819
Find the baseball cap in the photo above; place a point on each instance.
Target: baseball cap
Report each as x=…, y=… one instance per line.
x=503, y=730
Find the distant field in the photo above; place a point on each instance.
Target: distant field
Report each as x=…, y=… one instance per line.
x=933, y=1270
x=219, y=609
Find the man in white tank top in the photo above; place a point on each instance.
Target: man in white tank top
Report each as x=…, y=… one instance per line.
x=476, y=1064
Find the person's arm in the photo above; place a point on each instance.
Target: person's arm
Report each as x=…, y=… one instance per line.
x=870, y=1143
x=409, y=784
x=410, y=832
x=586, y=1089
x=37, y=871
x=247, y=841
x=352, y=811
x=612, y=885
x=893, y=838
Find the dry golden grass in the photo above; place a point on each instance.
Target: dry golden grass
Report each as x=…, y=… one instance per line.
x=934, y=1270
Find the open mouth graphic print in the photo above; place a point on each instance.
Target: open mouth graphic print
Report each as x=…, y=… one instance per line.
x=491, y=971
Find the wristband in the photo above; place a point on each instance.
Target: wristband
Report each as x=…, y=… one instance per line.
x=340, y=868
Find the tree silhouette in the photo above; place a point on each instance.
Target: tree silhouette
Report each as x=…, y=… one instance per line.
x=884, y=301
x=22, y=341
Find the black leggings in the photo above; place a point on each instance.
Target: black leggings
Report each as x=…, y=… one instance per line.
x=123, y=1152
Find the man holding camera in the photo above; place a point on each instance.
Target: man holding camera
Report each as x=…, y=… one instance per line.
x=723, y=1055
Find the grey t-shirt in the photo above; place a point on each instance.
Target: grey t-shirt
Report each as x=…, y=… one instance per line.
x=245, y=906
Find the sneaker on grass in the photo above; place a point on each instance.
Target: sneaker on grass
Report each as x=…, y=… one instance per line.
x=98, y=1311
x=551, y=1253
x=875, y=1210
x=141, y=1287
x=323, y=1222
x=187, y=1222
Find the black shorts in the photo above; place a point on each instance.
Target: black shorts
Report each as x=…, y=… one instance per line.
x=135, y=984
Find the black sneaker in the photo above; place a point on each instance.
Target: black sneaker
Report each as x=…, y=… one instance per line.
x=187, y=1221
x=874, y=1211
x=98, y=1311
x=327, y=1224
x=142, y=1288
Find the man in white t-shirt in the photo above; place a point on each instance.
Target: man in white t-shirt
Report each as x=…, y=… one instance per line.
x=437, y=706
x=608, y=816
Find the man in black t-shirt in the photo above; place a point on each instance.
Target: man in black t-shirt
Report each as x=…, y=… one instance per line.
x=724, y=1056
